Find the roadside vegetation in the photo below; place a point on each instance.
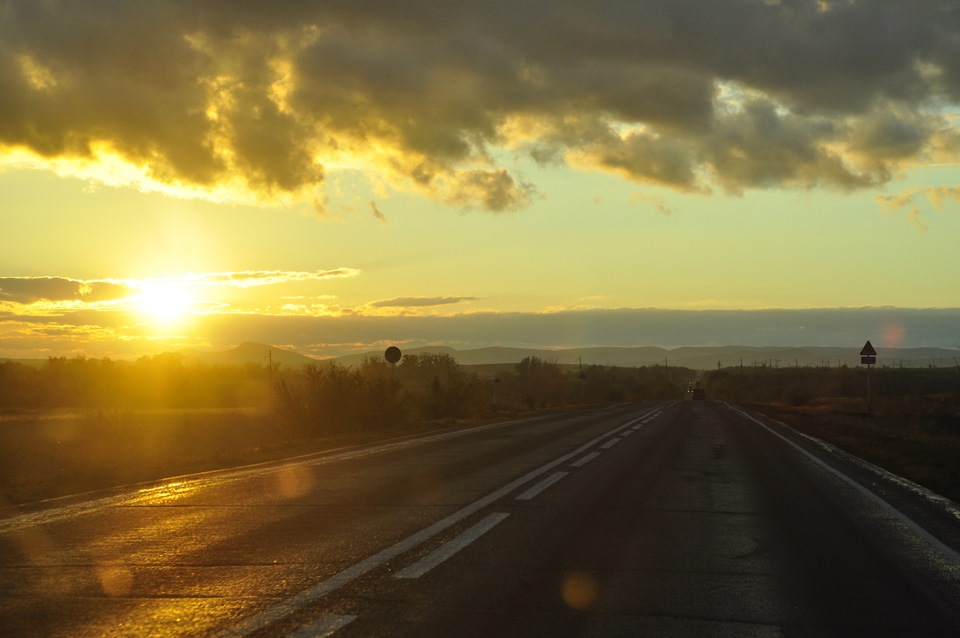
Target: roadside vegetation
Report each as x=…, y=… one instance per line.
x=69, y=426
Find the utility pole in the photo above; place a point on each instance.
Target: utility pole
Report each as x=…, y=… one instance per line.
x=582, y=376
x=270, y=368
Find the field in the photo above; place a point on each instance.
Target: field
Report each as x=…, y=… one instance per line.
x=49, y=454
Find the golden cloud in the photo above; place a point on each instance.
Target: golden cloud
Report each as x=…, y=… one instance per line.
x=258, y=103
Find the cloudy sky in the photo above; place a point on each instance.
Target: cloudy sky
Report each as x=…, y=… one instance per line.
x=337, y=176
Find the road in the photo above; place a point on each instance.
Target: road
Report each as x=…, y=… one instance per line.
x=686, y=518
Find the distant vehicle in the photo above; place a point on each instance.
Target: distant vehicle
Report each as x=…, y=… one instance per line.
x=696, y=392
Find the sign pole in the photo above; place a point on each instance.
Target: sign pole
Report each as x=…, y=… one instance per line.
x=392, y=355
x=868, y=357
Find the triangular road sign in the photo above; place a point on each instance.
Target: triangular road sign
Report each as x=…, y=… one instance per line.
x=868, y=351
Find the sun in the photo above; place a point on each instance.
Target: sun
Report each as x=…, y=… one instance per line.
x=164, y=303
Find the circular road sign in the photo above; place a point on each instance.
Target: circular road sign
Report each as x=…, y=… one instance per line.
x=392, y=354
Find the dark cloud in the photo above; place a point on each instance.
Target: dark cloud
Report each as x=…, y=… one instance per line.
x=27, y=290
x=759, y=147
x=378, y=213
x=644, y=158
x=886, y=327
x=496, y=190
x=691, y=95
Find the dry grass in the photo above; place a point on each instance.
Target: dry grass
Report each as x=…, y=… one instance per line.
x=46, y=455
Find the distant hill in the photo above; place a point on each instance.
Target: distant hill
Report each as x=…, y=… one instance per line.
x=257, y=353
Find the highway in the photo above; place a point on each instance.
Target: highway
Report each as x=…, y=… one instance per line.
x=685, y=518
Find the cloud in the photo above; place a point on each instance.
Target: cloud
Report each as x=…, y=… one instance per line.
x=62, y=294
x=419, y=302
x=28, y=290
x=938, y=194
x=907, y=199
x=228, y=100
x=897, y=201
x=641, y=157
x=377, y=213
x=497, y=190
x=654, y=200
x=251, y=278
x=917, y=222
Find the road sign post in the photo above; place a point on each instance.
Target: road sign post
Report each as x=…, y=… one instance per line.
x=392, y=355
x=868, y=357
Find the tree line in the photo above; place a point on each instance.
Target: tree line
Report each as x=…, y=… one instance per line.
x=326, y=397
x=330, y=398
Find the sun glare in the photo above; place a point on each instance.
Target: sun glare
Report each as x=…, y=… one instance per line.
x=164, y=303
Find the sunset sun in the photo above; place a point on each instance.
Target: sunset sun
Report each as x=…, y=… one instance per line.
x=164, y=303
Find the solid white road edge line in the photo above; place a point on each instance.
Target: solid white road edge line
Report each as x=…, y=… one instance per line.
x=448, y=549
x=323, y=626
x=936, y=543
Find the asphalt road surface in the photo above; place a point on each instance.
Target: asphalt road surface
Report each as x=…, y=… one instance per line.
x=685, y=518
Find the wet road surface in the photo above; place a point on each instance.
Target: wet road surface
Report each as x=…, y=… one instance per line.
x=661, y=519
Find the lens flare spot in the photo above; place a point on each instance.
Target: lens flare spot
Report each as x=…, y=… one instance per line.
x=116, y=580
x=579, y=590
x=893, y=335
x=293, y=481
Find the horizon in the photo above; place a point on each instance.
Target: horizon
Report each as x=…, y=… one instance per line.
x=890, y=341
x=488, y=360
x=334, y=180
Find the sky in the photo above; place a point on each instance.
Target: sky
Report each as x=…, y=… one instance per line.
x=337, y=177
